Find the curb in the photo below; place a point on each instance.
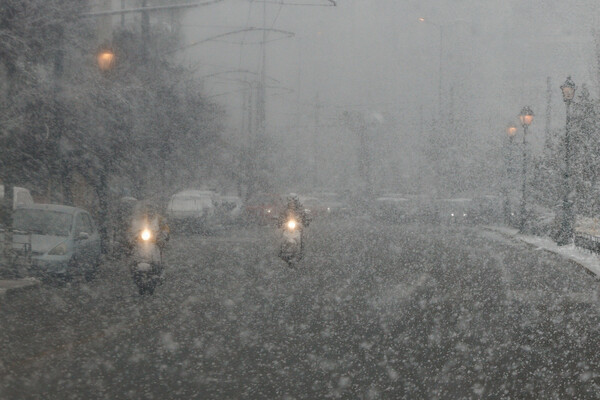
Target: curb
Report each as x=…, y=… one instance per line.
x=12, y=286
x=516, y=239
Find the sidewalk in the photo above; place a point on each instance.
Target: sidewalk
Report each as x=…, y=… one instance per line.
x=586, y=259
x=10, y=286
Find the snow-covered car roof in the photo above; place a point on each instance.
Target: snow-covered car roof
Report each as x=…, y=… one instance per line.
x=392, y=199
x=458, y=200
x=194, y=193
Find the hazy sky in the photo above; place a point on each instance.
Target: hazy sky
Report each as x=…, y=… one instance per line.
x=375, y=55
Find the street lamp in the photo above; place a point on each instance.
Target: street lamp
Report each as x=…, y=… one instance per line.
x=511, y=131
x=105, y=59
x=526, y=118
x=566, y=226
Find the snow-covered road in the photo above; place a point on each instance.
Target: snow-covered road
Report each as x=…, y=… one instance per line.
x=396, y=311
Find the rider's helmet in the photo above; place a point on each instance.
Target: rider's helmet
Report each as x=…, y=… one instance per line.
x=147, y=209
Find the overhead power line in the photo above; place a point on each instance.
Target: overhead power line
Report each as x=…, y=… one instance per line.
x=216, y=37
x=330, y=3
x=144, y=9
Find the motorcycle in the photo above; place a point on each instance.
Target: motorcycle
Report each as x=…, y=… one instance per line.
x=147, y=267
x=292, y=244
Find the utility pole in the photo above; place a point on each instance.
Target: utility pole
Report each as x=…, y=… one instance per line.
x=548, y=107
x=421, y=121
x=261, y=106
x=597, y=54
x=58, y=123
x=122, y=15
x=105, y=23
x=145, y=30
x=315, y=142
x=358, y=125
x=451, y=110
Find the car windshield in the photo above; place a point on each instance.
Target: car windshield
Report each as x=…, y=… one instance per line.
x=42, y=222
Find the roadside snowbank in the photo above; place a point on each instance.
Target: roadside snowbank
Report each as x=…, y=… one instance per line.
x=583, y=257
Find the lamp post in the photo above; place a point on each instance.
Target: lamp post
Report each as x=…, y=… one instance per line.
x=526, y=118
x=566, y=226
x=511, y=131
x=106, y=60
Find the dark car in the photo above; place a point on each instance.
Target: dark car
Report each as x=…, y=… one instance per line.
x=456, y=210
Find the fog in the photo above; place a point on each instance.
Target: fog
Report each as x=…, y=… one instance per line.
x=299, y=199
x=375, y=56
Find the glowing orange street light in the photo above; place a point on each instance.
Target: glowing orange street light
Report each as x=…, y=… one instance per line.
x=511, y=131
x=568, y=89
x=106, y=60
x=526, y=117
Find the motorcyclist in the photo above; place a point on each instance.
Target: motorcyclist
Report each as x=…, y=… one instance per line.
x=294, y=209
x=149, y=235
x=147, y=216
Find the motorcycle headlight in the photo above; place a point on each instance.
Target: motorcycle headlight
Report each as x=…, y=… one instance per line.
x=291, y=224
x=146, y=235
x=59, y=250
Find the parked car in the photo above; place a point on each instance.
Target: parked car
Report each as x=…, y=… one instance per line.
x=391, y=208
x=313, y=206
x=263, y=207
x=456, y=210
x=64, y=240
x=329, y=203
x=192, y=210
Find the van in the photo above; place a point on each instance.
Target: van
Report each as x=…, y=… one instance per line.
x=21, y=196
